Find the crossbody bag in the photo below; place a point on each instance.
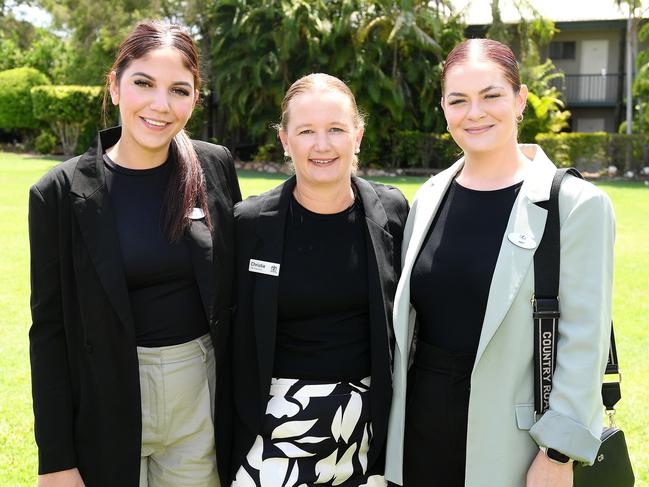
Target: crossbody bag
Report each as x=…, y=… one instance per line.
x=612, y=466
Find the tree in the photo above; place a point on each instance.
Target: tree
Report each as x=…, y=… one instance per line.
x=546, y=109
x=498, y=30
x=637, y=11
x=15, y=36
x=67, y=109
x=389, y=55
x=94, y=37
x=545, y=113
x=15, y=101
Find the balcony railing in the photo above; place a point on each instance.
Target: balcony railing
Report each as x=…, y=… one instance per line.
x=590, y=89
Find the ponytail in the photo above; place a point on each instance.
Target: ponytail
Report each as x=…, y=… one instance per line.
x=186, y=189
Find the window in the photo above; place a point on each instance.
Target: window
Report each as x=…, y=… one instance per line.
x=563, y=50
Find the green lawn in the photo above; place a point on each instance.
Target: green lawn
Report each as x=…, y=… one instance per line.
x=17, y=173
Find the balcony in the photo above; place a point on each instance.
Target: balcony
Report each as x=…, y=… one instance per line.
x=590, y=90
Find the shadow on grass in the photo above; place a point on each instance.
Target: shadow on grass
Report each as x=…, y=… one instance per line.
x=261, y=175
x=42, y=157
x=281, y=177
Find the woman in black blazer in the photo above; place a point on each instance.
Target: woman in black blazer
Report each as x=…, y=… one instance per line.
x=131, y=266
x=316, y=268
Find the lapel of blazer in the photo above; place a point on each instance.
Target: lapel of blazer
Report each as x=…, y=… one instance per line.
x=270, y=230
x=424, y=209
x=514, y=261
x=199, y=240
x=94, y=214
x=380, y=265
x=376, y=221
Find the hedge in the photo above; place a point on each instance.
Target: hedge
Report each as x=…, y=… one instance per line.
x=15, y=100
x=594, y=152
x=425, y=150
x=68, y=110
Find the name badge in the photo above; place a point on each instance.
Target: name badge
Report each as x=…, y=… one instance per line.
x=197, y=214
x=263, y=267
x=522, y=240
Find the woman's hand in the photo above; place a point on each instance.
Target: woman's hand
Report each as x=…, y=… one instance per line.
x=546, y=473
x=64, y=478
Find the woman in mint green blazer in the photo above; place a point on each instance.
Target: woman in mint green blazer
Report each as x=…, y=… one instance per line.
x=462, y=410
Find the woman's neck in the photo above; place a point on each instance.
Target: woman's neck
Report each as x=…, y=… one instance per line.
x=324, y=199
x=127, y=153
x=493, y=170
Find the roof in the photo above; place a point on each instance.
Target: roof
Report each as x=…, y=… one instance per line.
x=478, y=12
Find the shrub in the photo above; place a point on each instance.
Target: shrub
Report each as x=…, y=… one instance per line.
x=15, y=100
x=594, y=152
x=196, y=124
x=628, y=152
x=68, y=110
x=411, y=148
x=271, y=152
x=46, y=142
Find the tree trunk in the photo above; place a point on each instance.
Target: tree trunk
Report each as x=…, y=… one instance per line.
x=68, y=134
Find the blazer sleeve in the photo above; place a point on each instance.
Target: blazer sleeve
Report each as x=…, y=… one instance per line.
x=51, y=386
x=573, y=423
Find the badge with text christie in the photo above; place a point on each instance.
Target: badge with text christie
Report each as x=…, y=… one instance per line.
x=263, y=267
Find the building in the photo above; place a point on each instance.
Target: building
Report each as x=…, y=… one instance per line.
x=590, y=49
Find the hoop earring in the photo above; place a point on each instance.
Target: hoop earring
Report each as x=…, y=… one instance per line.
x=519, y=118
x=448, y=129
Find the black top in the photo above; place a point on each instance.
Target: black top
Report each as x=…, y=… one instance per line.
x=450, y=280
x=165, y=299
x=323, y=328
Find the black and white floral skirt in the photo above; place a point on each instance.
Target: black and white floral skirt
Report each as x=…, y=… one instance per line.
x=314, y=433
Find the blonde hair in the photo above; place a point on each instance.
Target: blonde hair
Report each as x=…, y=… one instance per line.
x=320, y=82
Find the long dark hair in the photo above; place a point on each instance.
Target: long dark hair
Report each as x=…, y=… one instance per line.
x=186, y=188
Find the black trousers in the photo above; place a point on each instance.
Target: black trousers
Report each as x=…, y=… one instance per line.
x=436, y=418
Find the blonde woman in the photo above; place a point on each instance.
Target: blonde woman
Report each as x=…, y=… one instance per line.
x=316, y=269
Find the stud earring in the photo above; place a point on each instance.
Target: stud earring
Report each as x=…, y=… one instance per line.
x=358, y=149
x=286, y=154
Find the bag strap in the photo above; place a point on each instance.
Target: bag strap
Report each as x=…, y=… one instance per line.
x=545, y=303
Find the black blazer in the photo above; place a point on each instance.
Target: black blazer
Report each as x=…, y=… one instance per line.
x=85, y=380
x=260, y=227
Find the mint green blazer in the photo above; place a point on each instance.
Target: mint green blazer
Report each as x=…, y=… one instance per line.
x=503, y=434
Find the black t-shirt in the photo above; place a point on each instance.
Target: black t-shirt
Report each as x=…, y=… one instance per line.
x=323, y=328
x=165, y=299
x=450, y=279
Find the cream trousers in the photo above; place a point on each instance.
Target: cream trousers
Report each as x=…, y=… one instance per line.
x=177, y=389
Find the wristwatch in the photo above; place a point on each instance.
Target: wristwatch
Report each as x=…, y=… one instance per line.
x=555, y=456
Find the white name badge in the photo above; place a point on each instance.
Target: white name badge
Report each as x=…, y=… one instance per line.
x=263, y=267
x=522, y=240
x=197, y=214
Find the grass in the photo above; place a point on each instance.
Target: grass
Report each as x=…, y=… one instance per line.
x=18, y=172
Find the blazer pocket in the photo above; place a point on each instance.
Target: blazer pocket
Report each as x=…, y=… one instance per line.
x=524, y=416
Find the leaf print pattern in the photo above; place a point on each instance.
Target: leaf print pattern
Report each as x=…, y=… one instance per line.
x=345, y=467
x=292, y=451
x=279, y=407
x=336, y=423
x=290, y=429
x=313, y=433
x=351, y=416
